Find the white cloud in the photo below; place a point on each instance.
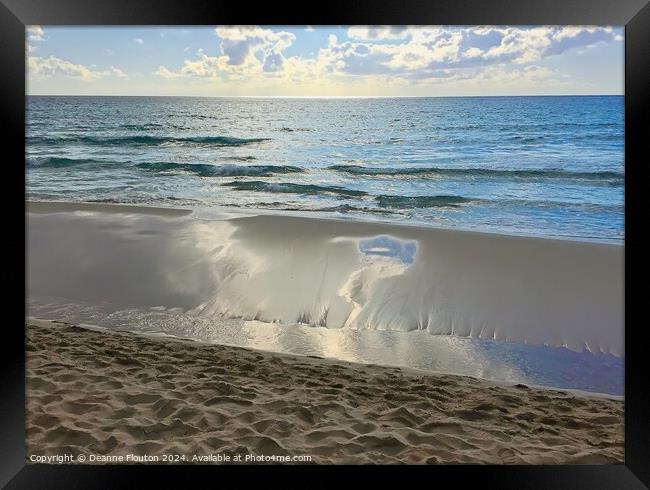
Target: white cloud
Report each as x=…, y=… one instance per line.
x=242, y=43
x=472, y=53
x=47, y=67
x=166, y=73
x=35, y=33
x=118, y=72
x=522, y=46
x=390, y=55
x=138, y=40
x=309, y=29
x=246, y=51
x=39, y=67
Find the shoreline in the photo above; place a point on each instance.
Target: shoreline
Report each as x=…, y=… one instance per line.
x=225, y=213
x=104, y=392
x=44, y=322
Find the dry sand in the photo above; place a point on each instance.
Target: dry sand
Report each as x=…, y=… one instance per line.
x=112, y=393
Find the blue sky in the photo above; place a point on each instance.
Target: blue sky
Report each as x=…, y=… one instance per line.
x=325, y=61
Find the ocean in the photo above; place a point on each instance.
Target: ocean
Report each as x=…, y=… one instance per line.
x=543, y=166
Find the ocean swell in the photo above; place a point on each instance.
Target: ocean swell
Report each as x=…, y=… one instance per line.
x=142, y=140
x=207, y=170
x=200, y=169
x=55, y=162
x=421, y=201
x=291, y=188
x=479, y=172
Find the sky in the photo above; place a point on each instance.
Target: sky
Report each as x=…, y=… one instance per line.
x=325, y=61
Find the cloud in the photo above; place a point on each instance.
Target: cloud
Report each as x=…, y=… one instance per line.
x=309, y=29
x=207, y=67
x=522, y=46
x=391, y=55
x=47, y=67
x=118, y=72
x=39, y=67
x=35, y=33
x=164, y=72
x=241, y=43
x=246, y=51
x=138, y=40
x=369, y=33
x=472, y=52
x=427, y=50
x=570, y=37
x=273, y=63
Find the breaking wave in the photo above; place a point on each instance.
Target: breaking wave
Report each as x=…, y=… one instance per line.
x=207, y=170
x=200, y=169
x=55, y=162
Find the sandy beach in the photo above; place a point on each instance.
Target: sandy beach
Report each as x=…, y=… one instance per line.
x=327, y=245
x=112, y=394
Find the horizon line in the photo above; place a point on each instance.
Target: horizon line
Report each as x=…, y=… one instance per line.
x=324, y=96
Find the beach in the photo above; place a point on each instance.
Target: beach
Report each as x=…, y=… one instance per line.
x=235, y=335
x=107, y=393
x=363, y=245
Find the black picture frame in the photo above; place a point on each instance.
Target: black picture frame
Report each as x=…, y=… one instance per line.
x=16, y=14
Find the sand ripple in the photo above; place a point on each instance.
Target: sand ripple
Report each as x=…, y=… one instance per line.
x=113, y=393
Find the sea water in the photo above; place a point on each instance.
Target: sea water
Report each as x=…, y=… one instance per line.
x=550, y=166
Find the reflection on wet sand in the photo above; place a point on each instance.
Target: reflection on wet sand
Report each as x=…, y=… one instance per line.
x=364, y=292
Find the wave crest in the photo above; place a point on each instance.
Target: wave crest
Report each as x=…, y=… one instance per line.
x=478, y=172
x=207, y=170
x=421, y=201
x=143, y=140
x=291, y=188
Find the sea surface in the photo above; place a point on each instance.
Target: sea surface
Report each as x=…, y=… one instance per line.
x=549, y=166
x=506, y=362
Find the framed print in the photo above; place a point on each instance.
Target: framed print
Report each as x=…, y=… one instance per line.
x=391, y=235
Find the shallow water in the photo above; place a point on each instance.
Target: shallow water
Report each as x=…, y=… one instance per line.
x=485, y=359
x=548, y=166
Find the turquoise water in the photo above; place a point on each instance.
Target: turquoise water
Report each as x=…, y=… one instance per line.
x=551, y=166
